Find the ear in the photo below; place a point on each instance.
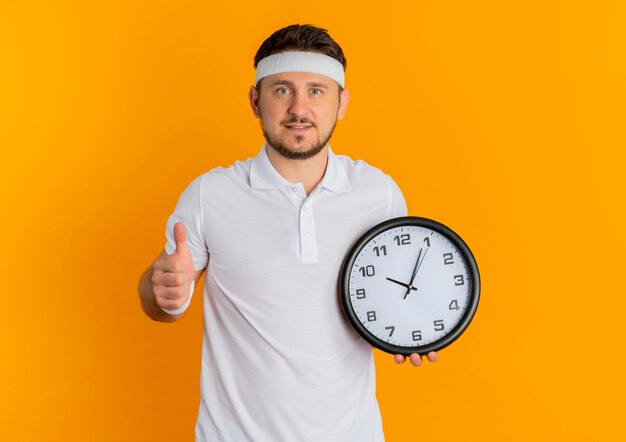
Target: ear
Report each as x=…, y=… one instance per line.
x=344, y=98
x=253, y=96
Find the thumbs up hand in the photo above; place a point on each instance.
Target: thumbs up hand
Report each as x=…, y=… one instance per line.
x=172, y=275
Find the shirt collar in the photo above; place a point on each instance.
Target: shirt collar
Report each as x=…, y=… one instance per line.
x=264, y=176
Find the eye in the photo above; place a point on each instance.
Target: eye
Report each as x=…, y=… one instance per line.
x=282, y=91
x=317, y=91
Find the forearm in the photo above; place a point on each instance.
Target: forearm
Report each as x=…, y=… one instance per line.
x=148, y=302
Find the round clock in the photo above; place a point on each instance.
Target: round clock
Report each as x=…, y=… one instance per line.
x=409, y=285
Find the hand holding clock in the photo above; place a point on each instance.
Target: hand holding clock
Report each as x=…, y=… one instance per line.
x=416, y=359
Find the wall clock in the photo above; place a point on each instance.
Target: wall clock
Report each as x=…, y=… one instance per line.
x=409, y=285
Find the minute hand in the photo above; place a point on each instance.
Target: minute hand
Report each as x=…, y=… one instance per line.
x=418, y=267
x=418, y=264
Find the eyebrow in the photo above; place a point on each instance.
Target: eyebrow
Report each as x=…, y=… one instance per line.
x=280, y=81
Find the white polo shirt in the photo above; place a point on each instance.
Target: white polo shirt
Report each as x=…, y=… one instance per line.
x=279, y=360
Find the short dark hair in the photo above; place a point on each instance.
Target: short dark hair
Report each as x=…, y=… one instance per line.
x=303, y=38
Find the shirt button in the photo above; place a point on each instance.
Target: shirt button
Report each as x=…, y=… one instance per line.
x=305, y=208
x=294, y=189
x=307, y=231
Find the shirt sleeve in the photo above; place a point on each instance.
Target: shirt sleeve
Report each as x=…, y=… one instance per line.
x=189, y=211
x=397, y=204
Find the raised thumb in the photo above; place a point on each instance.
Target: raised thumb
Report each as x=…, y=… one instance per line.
x=180, y=237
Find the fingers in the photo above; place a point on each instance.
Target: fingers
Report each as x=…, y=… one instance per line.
x=170, y=263
x=169, y=279
x=169, y=293
x=170, y=282
x=180, y=237
x=416, y=359
x=171, y=297
x=432, y=356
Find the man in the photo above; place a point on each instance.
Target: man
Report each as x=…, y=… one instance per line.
x=279, y=360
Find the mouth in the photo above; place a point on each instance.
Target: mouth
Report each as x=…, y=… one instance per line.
x=298, y=127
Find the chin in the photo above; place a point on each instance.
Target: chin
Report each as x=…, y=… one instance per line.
x=296, y=146
x=301, y=152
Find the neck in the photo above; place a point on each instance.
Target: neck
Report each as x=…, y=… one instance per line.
x=309, y=172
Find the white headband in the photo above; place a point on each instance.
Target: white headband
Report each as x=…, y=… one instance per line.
x=299, y=61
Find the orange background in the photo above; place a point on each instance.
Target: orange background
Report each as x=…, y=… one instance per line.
x=503, y=120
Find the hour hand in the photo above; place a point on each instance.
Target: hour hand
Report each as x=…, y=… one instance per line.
x=407, y=286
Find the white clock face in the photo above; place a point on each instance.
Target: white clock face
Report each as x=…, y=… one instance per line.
x=410, y=286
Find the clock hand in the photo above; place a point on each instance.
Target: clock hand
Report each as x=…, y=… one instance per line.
x=413, y=275
x=416, y=269
x=420, y=264
x=402, y=284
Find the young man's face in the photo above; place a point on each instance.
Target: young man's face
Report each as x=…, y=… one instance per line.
x=298, y=111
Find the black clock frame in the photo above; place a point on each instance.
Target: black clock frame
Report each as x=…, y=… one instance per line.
x=344, y=285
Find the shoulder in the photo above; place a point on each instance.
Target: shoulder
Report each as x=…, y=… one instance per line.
x=361, y=173
x=374, y=187
x=219, y=177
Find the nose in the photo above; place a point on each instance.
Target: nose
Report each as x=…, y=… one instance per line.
x=299, y=106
